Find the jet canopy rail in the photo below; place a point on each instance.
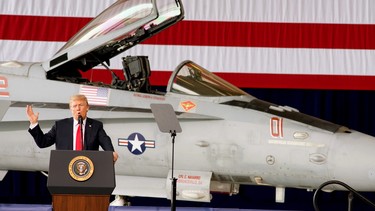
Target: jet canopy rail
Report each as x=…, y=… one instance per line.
x=192, y=79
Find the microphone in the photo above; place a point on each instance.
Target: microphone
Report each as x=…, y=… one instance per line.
x=80, y=120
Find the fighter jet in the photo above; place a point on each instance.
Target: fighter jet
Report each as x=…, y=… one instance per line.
x=228, y=138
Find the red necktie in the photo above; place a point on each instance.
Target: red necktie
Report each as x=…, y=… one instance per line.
x=79, y=138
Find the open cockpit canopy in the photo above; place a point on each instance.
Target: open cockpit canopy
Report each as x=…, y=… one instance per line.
x=118, y=28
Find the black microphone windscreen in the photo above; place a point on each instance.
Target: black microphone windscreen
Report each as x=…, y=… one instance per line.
x=80, y=120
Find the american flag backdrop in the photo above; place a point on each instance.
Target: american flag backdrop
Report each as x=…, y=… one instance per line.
x=307, y=44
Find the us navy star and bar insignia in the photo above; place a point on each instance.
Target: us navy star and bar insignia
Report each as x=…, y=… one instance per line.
x=136, y=143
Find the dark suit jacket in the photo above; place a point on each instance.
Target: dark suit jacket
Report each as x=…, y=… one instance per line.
x=61, y=134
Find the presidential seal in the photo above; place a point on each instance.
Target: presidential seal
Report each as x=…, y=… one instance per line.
x=81, y=168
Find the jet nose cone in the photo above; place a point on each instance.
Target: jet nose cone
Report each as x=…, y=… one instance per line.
x=353, y=160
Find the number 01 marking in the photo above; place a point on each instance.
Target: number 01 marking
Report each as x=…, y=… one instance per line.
x=276, y=127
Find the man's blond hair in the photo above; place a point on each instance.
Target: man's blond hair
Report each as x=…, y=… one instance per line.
x=78, y=97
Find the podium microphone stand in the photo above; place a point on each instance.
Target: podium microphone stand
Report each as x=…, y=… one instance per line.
x=167, y=122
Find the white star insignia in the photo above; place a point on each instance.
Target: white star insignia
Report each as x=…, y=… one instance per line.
x=136, y=144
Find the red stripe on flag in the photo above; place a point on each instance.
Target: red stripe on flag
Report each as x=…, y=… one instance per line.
x=255, y=80
x=277, y=35
x=211, y=33
x=40, y=28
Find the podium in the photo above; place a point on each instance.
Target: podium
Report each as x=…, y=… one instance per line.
x=81, y=180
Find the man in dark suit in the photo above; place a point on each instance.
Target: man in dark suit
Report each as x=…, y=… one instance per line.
x=63, y=133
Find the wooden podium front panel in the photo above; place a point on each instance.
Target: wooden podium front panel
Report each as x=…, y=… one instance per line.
x=64, y=202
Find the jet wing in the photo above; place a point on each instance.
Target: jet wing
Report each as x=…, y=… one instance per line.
x=118, y=28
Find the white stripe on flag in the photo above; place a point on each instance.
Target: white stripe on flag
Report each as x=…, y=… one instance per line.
x=302, y=11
